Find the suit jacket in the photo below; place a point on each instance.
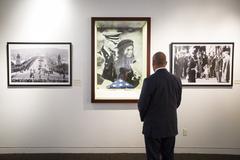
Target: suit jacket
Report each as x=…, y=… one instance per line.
x=158, y=103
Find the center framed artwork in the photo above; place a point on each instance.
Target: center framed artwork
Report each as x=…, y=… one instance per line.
x=120, y=58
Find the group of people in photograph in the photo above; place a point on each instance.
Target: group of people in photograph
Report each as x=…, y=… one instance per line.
x=203, y=63
x=115, y=62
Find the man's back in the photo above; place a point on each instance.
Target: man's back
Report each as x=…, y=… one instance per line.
x=164, y=92
x=158, y=103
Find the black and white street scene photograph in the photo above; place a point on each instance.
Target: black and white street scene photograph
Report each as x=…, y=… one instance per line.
x=120, y=55
x=203, y=63
x=39, y=64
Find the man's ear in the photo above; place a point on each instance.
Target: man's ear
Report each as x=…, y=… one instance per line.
x=154, y=67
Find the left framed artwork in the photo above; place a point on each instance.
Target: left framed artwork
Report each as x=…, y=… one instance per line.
x=120, y=58
x=39, y=64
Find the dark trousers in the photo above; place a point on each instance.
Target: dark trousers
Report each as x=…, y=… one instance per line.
x=160, y=147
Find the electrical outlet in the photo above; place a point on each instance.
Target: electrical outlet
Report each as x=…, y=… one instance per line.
x=185, y=132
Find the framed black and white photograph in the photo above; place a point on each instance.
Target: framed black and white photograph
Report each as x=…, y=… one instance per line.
x=120, y=58
x=203, y=64
x=39, y=64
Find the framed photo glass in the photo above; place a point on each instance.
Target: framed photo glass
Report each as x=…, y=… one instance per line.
x=39, y=64
x=120, y=58
x=203, y=64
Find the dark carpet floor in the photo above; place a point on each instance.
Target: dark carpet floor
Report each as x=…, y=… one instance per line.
x=123, y=156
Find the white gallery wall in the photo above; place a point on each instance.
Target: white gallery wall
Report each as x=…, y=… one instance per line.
x=63, y=119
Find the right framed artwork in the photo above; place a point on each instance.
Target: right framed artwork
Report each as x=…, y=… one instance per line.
x=202, y=64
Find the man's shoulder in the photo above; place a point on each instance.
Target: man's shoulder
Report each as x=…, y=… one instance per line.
x=149, y=78
x=177, y=79
x=174, y=76
x=171, y=76
x=161, y=74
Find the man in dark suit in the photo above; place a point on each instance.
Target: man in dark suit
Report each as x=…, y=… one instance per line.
x=158, y=103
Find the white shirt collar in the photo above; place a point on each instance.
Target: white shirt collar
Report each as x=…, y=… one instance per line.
x=159, y=68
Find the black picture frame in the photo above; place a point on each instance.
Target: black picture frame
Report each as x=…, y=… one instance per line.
x=120, y=31
x=39, y=64
x=203, y=63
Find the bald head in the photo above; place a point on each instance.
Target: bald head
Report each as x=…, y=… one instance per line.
x=159, y=60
